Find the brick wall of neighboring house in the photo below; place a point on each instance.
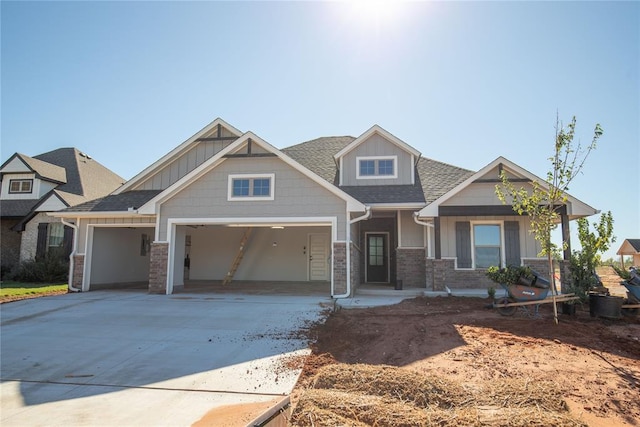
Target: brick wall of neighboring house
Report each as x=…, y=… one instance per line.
x=30, y=236
x=411, y=268
x=78, y=271
x=355, y=267
x=158, y=268
x=339, y=268
x=10, y=244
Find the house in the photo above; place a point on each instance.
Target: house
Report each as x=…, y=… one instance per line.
x=227, y=205
x=630, y=247
x=32, y=187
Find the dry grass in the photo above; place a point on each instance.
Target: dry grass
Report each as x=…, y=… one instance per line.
x=357, y=395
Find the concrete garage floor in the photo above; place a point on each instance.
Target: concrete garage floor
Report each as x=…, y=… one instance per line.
x=128, y=358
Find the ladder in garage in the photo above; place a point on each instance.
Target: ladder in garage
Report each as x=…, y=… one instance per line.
x=238, y=259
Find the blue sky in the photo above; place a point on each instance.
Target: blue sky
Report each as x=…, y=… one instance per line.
x=462, y=82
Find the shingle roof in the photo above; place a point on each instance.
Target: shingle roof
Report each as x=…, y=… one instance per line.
x=436, y=178
x=635, y=244
x=386, y=193
x=317, y=155
x=116, y=202
x=44, y=169
x=16, y=208
x=85, y=176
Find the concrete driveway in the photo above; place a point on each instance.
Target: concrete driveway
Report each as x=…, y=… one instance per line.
x=129, y=358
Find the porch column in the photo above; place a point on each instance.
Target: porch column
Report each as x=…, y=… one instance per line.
x=159, y=257
x=436, y=229
x=78, y=271
x=566, y=234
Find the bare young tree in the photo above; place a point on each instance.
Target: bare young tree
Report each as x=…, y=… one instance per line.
x=543, y=201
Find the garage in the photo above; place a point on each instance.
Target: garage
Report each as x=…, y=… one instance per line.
x=204, y=255
x=119, y=257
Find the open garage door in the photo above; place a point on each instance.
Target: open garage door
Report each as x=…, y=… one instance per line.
x=120, y=257
x=274, y=253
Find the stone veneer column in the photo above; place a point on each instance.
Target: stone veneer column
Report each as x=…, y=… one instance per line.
x=355, y=268
x=339, y=268
x=428, y=273
x=78, y=271
x=158, y=268
x=565, y=275
x=411, y=267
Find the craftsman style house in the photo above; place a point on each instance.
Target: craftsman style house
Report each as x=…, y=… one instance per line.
x=48, y=182
x=226, y=205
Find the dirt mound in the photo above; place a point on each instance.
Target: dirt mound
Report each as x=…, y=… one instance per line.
x=356, y=395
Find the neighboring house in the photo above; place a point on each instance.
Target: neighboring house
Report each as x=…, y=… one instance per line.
x=34, y=186
x=342, y=210
x=630, y=247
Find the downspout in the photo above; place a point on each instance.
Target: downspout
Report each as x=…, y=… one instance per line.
x=366, y=215
x=425, y=224
x=73, y=253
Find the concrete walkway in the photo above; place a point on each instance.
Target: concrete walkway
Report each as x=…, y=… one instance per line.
x=124, y=358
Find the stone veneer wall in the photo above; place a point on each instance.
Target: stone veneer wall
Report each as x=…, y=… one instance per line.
x=441, y=272
x=78, y=271
x=355, y=267
x=30, y=236
x=411, y=267
x=339, y=268
x=158, y=268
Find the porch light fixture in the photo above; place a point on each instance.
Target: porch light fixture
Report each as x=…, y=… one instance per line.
x=277, y=227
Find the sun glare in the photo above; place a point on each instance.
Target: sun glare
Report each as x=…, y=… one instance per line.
x=374, y=12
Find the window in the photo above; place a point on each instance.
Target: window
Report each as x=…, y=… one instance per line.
x=251, y=187
x=487, y=245
x=377, y=167
x=20, y=185
x=55, y=236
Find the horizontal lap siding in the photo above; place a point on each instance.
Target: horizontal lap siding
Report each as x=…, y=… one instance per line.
x=295, y=196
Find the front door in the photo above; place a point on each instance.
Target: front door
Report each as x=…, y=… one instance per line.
x=318, y=257
x=377, y=257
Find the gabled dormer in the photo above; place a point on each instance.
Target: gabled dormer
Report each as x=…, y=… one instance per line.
x=377, y=158
x=24, y=177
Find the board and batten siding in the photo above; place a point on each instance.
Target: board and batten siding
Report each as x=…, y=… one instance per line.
x=529, y=247
x=412, y=235
x=295, y=195
x=185, y=163
x=376, y=145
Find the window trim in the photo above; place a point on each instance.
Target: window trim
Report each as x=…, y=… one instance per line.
x=251, y=176
x=503, y=254
x=377, y=159
x=22, y=181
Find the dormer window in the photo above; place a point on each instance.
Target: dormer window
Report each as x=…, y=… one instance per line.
x=250, y=187
x=377, y=167
x=20, y=186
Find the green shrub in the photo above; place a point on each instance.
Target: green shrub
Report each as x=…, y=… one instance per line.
x=52, y=268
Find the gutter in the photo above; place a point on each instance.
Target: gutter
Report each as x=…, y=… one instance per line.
x=366, y=215
x=73, y=253
x=417, y=221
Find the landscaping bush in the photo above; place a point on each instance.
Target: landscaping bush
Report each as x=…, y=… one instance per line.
x=52, y=268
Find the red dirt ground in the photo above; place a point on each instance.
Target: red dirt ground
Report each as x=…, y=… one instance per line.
x=595, y=362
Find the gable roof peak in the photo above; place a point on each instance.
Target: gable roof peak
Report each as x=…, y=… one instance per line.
x=379, y=130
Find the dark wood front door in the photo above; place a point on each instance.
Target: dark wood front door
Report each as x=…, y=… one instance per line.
x=377, y=258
